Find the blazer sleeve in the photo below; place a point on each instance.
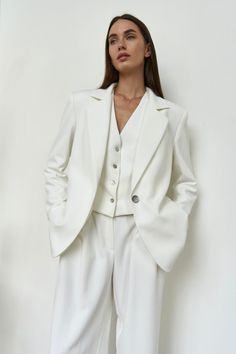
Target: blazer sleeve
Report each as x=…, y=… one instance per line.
x=55, y=176
x=183, y=187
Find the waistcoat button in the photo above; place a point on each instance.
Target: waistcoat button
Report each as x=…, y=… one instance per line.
x=117, y=148
x=135, y=198
x=114, y=165
x=112, y=200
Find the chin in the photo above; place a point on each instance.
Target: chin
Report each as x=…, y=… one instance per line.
x=125, y=69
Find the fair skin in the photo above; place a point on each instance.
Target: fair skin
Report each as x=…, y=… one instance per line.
x=125, y=36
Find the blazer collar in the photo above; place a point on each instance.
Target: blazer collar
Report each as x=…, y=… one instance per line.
x=101, y=94
x=153, y=128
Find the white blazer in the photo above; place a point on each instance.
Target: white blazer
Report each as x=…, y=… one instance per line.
x=163, y=187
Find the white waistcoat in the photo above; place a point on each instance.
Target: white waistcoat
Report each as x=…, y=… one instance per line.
x=113, y=195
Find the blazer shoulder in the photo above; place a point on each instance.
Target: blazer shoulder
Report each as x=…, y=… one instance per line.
x=174, y=108
x=81, y=94
x=85, y=93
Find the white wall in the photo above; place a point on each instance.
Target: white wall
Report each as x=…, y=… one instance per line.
x=46, y=48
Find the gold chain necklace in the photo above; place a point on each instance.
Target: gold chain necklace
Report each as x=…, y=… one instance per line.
x=128, y=99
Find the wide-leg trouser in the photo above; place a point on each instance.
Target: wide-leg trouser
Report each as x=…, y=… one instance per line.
x=107, y=262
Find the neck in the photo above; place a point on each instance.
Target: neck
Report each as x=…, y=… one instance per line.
x=130, y=85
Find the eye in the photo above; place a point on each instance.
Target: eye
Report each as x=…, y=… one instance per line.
x=130, y=36
x=112, y=41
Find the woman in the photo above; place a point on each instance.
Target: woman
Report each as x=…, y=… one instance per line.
x=120, y=187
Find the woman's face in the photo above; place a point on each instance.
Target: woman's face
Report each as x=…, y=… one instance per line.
x=125, y=37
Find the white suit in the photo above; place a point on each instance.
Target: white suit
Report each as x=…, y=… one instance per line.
x=113, y=222
x=163, y=187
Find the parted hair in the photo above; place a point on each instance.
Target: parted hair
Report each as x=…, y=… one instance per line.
x=151, y=72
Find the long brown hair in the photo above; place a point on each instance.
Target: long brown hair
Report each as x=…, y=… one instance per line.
x=151, y=73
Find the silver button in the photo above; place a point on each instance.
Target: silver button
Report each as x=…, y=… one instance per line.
x=117, y=148
x=135, y=198
x=112, y=200
x=114, y=165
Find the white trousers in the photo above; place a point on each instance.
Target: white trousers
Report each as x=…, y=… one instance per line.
x=107, y=264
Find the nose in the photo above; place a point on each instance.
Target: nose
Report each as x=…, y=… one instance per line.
x=121, y=44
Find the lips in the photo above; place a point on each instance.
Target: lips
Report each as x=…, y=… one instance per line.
x=122, y=55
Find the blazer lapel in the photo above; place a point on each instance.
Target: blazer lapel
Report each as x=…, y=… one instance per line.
x=98, y=125
x=153, y=128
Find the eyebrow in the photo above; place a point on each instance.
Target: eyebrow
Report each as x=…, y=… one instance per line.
x=127, y=31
